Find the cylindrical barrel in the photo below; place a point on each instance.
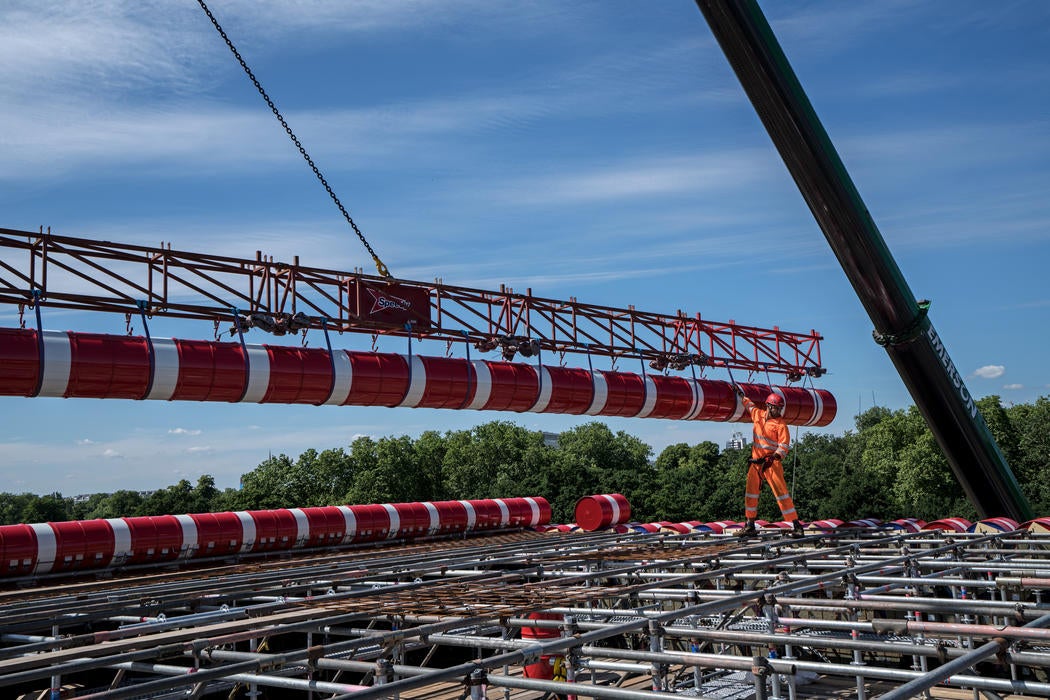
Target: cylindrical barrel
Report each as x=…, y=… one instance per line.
x=544, y=668
x=91, y=365
x=595, y=512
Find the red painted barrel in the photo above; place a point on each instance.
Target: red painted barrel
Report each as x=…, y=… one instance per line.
x=949, y=524
x=798, y=404
x=448, y=383
x=989, y=525
x=327, y=525
x=274, y=529
x=625, y=394
x=488, y=514
x=82, y=544
x=827, y=410
x=112, y=366
x=514, y=387
x=373, y=522
x=153, y=538
x=544, y=668
x=452, y=516
x=571, y=390
x=379, y=379
x=218, y=534
x=209, y=371
x=298, y=375
x=717, y=401
x=18, y=550
x=595, y=512
x=90, y=365
x=19, y=362
x=413, y=519
x=674, y=397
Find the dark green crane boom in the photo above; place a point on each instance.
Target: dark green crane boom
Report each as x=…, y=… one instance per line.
x=901, y=322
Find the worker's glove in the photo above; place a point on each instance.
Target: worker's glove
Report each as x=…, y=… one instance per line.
x=769, y=460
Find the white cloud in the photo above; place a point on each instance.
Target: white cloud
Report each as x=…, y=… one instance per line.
x=989, y=372
x=110, y=453
x=195, y=450
x=86, y=441
x=1013, y=387
x=183, y=431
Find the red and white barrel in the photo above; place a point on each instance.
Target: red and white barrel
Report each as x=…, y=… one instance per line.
x=93, y=365
x=949, y=524
x=600, y=511
x=864, y=522
x=992, y=525
x=908, y=524
x=543, y=668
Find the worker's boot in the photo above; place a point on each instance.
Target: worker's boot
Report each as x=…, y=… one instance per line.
x=748, y=530
x=796, y=529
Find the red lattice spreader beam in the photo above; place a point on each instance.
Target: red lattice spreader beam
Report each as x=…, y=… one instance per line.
x=281, y=297
x=92, y=365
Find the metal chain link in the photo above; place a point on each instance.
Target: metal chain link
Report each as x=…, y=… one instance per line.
x=288, y=130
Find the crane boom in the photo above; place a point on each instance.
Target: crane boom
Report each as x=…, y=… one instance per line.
x=901, y=323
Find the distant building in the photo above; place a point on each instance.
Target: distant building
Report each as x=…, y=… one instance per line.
x=737, y=442
x=550, y=439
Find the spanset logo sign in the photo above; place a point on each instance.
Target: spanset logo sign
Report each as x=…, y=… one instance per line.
x=387, y=302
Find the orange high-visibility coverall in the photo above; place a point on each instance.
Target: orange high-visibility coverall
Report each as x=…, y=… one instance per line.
x=770, y=437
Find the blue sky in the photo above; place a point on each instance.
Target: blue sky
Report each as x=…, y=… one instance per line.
x=601, y=150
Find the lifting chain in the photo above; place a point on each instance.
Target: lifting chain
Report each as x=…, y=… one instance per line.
x=302, y=150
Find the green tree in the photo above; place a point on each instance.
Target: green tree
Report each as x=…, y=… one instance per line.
x=592, y=459
x=686, y=477
x=496, y=459
x=392, y=475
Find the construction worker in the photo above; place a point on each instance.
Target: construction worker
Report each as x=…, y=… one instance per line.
x=770, y=446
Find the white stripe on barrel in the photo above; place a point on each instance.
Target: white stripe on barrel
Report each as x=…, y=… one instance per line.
x=472, y=516
x=46, y=547
x=344, y=375
x=58, y=362
x=535, y=508
x=189, y=536
x=435, y=517
x=121, y=539
x=601, y=394
x=395, y=520
x=698, y=400
x=247, y=530
x=302, y=526
x=544, y=398
x=351, y=523
x=650, y=398
x=165, y=372
x=418, y=383
x=818, y=407
x=615, y=507
x=258, y=367
x=504, y=512
x=483, y=385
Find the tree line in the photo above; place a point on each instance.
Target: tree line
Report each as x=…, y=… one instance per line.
x=888, y=466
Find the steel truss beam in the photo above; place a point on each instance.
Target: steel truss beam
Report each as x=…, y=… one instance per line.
x=281, y=297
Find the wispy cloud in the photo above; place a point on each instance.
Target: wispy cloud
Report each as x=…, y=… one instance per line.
x=110, y=453
x=989, y=372
x=1013, y=387
x=183, y=431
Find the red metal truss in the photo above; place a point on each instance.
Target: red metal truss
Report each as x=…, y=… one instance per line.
x=281, y=297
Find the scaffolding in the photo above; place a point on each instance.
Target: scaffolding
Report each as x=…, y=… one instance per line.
x=845, y=613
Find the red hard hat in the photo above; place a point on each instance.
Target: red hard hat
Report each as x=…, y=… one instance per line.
x=775, y=400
